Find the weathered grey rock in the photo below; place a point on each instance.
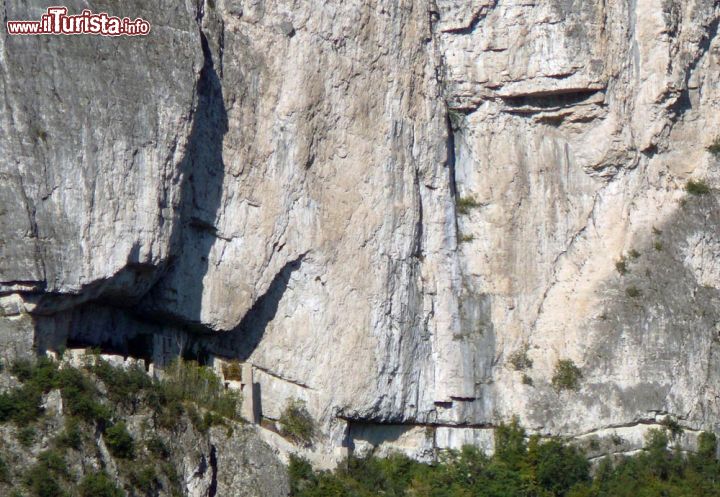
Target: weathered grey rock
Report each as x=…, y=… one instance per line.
x=284, y=185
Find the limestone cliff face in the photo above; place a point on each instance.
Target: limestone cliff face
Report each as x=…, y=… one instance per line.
x=378, y=204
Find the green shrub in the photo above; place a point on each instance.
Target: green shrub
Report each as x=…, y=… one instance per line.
x=301, y=475
x=296, y=424
x=634, y=254
x=456, y=118
x=566, y=376
x=42, y=483
x=22, y=405
x=658, y=245
x=188, y=381
x=465, y=204
x=519, y=468
x=99, y=485
x=4, y=471
x=672, y=426
x=527, y=380
x=157, y=447
x=558, y=467
x=144, y=478
x=22, y=369
x=71, y=437
x=699, y=187
x=123, y=385
x=81, y=396
x=43, y=479
x=26, y=436
x=510, y=444
x=707, y=445
x=119, y=441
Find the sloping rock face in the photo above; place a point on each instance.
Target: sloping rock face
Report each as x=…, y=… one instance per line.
x=378, y=204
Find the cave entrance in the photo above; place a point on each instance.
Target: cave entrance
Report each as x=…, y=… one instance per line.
x=138, y=346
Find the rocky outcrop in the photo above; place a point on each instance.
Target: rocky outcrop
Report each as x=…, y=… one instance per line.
x=378, y=204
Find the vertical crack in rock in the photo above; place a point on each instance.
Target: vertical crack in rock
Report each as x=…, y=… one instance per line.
x=212, y=491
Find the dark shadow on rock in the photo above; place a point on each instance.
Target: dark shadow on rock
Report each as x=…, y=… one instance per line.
x=658, y=321
x=244, y=339
x=177, y=297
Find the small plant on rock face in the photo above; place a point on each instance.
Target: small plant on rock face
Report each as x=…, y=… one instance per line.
x=465, y=238
x=621, y=266
x=699, y=187
x=519, y=360
x=296, y=424
x=633, y=292
x=527, y=380
x=456, y=118
x=466, y=204
x=567, y=375
x=673, y=427
x=714, y=147
x=634, y=254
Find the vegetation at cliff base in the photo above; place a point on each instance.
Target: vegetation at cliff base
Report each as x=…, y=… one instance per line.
x=521, y=467
x=67, y=411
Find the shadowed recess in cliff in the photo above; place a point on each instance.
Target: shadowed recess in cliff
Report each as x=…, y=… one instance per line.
x=244, y=339
x=178, y=294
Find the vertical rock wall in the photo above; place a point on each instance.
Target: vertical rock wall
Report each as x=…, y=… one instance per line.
x=379, y=203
